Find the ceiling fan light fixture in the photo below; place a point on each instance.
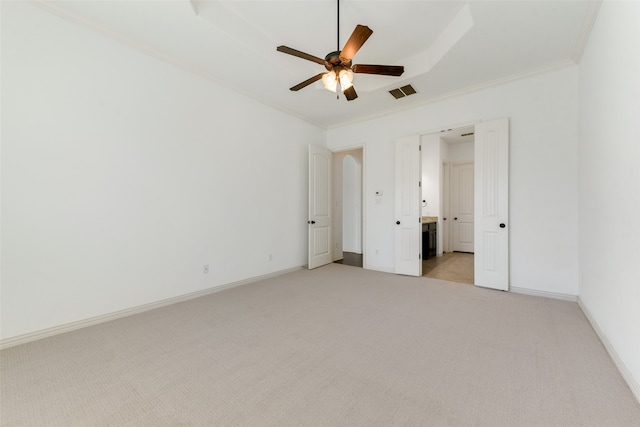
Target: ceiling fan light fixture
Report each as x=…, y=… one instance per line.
x=339, y=77
x=346, y=79
x=330, y=81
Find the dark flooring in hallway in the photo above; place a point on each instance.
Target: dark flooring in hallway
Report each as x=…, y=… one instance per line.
x=351, y=258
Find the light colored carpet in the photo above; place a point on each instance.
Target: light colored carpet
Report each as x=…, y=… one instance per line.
x=336, y=346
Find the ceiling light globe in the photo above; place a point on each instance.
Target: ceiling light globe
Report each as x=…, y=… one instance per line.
x=330, y=81
x=346, y=77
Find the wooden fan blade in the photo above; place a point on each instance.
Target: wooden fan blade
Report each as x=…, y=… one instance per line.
x=350, y=94
x=307, y=82
x=385, y=70
x=355, y=42
x=290, y=51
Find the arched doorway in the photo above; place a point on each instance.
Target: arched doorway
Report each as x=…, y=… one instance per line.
x=348, y=248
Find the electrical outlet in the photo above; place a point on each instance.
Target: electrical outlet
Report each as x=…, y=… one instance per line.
x=205, y=269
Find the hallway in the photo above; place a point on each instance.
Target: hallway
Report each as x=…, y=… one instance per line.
x=350, y=258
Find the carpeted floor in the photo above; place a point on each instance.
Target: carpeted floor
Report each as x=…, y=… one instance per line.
x=335, y=346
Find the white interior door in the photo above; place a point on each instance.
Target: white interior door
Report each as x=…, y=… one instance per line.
x=462, y=207
x=491, y=260
x=408, y=231
x=319, y=207
x=445, y=230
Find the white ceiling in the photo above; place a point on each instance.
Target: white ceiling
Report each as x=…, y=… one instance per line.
x=458, y=135
x=446, y=46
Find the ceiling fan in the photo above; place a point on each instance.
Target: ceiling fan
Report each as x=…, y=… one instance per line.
x=339, y=75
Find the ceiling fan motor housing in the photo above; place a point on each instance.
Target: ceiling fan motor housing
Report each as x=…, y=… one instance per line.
x=334, y=59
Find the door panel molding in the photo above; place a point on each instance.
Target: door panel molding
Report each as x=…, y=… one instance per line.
x=319, y=218
x=462, y=212
x=408, y=227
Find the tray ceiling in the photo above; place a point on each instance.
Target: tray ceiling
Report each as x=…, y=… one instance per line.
x=446, y=46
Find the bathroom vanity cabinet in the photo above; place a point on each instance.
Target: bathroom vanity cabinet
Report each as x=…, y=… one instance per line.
x=429, y=237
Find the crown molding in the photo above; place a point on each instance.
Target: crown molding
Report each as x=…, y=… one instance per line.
x=454, y=94
x=585, y=31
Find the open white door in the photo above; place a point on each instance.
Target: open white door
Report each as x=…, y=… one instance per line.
x=319, y=207
x=491, y=266
x=408, y=232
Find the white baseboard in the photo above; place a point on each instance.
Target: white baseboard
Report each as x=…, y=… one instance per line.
x=622, y=368
x=377, y=268
x=68, y=327
x=545, y=294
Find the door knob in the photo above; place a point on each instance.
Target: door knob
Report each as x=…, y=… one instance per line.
x=311, y=222
x=455, y=219
x=502, y=225
x=398, y=222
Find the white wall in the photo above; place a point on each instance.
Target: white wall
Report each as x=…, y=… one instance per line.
x=460, y=153
x=338, y=208
x=609, y=180
x=351, y=204
x=543, y=200
x=431, y=174
x=122, y=176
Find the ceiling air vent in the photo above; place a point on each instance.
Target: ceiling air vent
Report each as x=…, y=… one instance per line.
x=402, y=91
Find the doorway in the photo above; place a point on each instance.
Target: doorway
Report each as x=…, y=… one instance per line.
x=347, y=207
x=491, y=200
x=448, y=196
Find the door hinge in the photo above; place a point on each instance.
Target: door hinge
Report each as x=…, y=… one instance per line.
x=419, y=147
x=419, y=256
x=419, y=183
